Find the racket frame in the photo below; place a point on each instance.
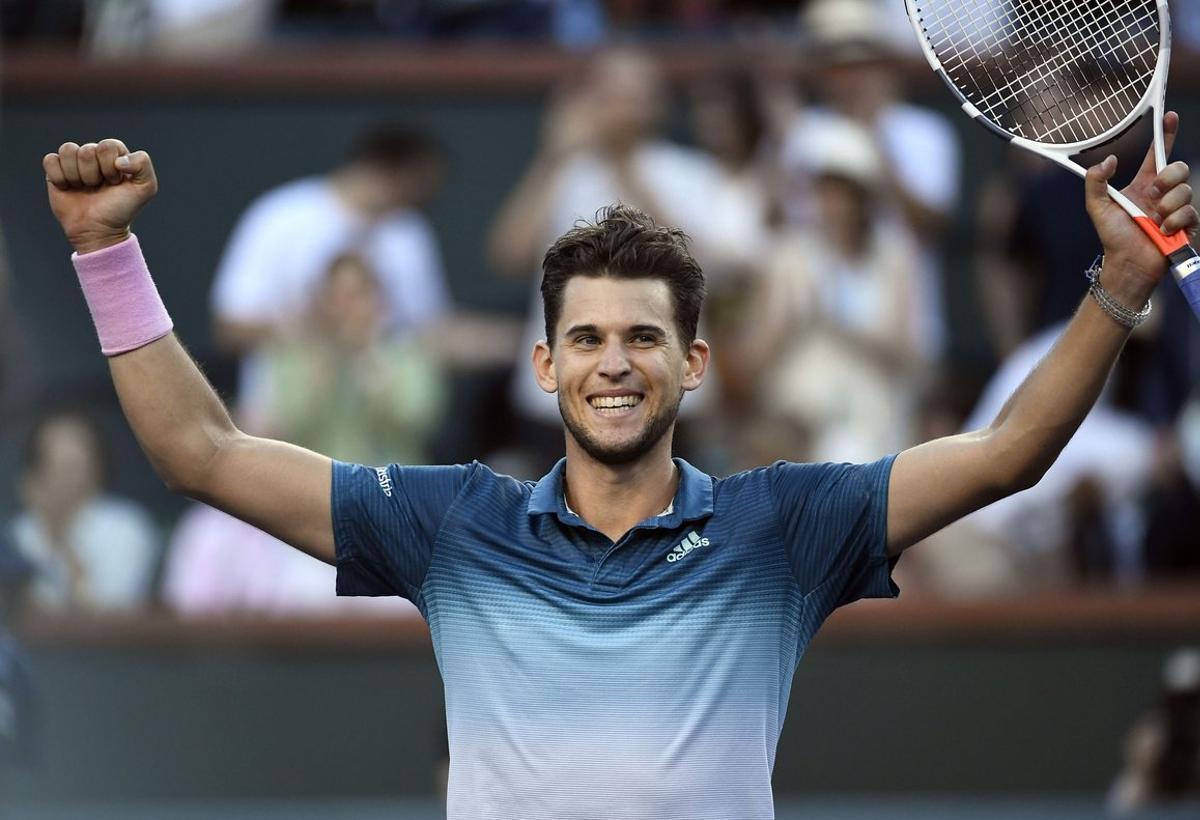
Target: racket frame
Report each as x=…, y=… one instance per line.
x=1154, y=99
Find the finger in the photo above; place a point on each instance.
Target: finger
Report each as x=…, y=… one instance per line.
x=1096, y=183
x=68, y=154
x=54, y=171
x=1174, y=199
x=107, y=152
x=1170, y=131
x=138, y=168
x=1184, y=219
x=1174, y=174
x=89, y=166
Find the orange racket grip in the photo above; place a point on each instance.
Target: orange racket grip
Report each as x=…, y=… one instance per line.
x=1167, y=244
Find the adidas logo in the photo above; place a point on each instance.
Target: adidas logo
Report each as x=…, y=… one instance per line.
x=385, y=481
x=685, y=546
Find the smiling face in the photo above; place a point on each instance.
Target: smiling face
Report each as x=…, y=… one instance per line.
x=619, y=366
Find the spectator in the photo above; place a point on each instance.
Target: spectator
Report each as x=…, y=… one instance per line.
x=338, y=385
x=217, y=565
x=1030, y=232
x=284, y=242
x=1082, y=520
x=89, y=550
x=1170, y=546
x=830, y=327
x=600, y=145
x=1162, y=751
x=857, y=78
x=728, y=124
x=175, y=28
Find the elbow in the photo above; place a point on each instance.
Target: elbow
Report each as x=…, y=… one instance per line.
x=190, y=469
x=1018, y=465
x=1026, y=478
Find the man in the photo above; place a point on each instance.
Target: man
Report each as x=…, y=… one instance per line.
x=283, y=244
x=601, y=143
x=618, y=639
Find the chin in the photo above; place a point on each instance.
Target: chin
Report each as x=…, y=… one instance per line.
x=616, y=453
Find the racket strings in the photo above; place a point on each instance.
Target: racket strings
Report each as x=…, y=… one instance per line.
x=1059, y=71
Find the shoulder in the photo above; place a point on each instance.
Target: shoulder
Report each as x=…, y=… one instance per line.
x=798, y=481
x=310, y=195
x=917, y=123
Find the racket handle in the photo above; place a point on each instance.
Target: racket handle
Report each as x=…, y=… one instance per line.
x=1185, y=264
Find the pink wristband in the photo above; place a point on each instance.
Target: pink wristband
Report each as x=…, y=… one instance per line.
x=125, y=305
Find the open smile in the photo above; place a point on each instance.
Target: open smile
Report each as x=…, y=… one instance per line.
x=615, y=405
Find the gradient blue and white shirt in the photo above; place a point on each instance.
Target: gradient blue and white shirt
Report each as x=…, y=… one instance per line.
x=643, y=679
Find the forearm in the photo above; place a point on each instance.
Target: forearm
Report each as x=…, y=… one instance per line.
x=177, y=417
x=513, y=239
x=1042, y=415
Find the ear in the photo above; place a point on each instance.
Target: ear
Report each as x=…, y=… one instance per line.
x=543, y=367
x=695, y=365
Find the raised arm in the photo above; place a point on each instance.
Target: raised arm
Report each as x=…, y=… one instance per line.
x=940, y=481
x=95, y=191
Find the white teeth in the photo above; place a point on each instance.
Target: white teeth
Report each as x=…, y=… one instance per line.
x=601, y=402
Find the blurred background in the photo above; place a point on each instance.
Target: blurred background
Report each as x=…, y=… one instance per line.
x=355, y=195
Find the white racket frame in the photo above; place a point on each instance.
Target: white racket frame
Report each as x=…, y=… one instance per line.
x=1154, y=99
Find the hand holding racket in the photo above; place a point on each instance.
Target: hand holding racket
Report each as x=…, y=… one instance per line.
x=1058, y=77
x=1164, y=196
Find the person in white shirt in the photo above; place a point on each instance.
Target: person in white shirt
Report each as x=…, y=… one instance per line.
x=89, y=550
x=601, y=145
x=857, y=78
x=284, y=242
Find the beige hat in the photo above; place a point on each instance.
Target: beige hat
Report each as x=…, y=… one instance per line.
x=846, y=30
x=838, y=146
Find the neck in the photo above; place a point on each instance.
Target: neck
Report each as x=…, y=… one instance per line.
x=350, y=193
x=615, y=497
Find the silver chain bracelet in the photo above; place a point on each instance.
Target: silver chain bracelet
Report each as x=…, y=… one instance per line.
x=1128, y=318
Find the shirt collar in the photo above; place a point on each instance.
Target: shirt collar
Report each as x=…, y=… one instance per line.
x=693, y=500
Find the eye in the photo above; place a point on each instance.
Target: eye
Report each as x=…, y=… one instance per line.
x=587, y=340
x=645, y=339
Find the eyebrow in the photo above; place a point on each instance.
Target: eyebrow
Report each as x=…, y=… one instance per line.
x=576, y=330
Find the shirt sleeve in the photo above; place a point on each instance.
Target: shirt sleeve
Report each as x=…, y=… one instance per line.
x=386, y=521
x=834, y=521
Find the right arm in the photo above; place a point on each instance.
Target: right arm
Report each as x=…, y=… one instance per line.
x=95, y=191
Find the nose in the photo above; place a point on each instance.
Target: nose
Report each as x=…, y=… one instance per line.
x=614, y=364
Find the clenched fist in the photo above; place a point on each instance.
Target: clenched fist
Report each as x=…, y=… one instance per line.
x=96, y=190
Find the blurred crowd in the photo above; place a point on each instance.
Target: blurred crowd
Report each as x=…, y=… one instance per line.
x=191, y=28
x=821, y=211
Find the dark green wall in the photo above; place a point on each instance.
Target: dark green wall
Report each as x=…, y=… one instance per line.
x=867, y=717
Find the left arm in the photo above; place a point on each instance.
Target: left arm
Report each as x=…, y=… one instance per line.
x=940, y=481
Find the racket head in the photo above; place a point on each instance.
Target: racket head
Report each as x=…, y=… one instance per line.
x=1065, y=75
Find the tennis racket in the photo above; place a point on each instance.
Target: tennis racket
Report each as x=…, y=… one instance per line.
x=1057, y=77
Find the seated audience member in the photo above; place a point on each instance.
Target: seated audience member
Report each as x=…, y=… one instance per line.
x=283, y=244
x=729, y=125
x=175, y=28
x=217, y=565
x=89, y=550
x=1082, y=520
x=338, y=384
x=830, y=326
x=1162, y=751
x=1032, y=241
x=858, y=77
x=1171, y=544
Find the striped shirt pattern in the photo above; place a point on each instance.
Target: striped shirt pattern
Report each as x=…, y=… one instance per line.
x=646, y=678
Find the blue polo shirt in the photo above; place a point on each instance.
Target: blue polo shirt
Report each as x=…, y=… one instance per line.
x=643, y=679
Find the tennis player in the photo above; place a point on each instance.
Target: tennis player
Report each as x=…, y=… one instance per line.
x=616, y=640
